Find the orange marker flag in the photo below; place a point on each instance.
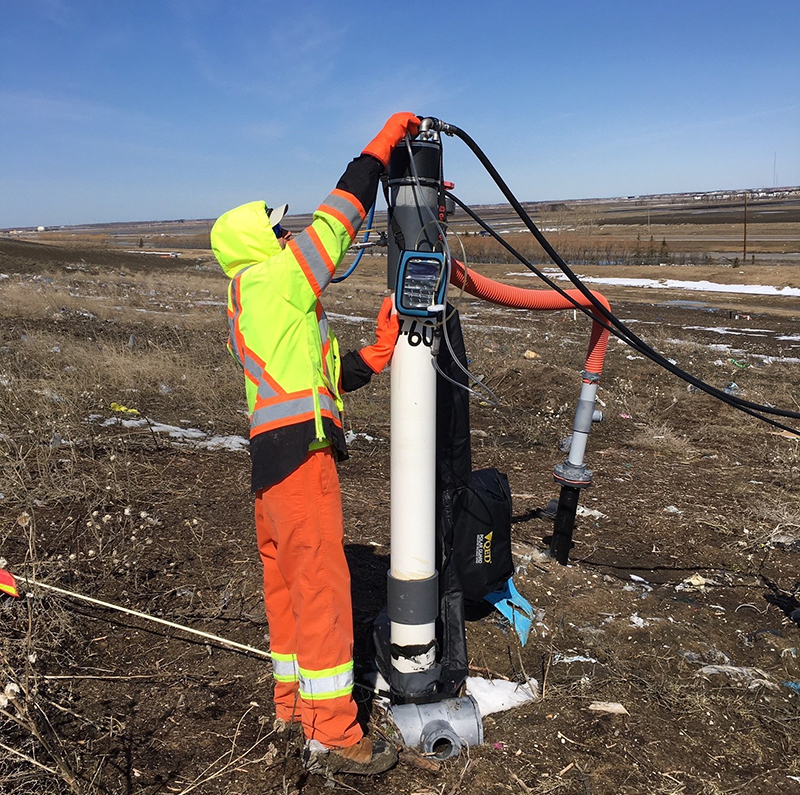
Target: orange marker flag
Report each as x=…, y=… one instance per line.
x=7, y=583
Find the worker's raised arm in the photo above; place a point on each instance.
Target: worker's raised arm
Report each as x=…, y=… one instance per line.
x=321, y=247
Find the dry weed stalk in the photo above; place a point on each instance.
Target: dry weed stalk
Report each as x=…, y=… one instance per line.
x=233, y=762
x=22, y=703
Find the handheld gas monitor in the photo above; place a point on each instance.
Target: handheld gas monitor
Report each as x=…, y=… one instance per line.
x=421, y=283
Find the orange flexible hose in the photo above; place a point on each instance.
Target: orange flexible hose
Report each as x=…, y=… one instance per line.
x=523, y=298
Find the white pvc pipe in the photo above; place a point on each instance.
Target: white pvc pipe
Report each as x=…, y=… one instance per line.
x=413, y=454
x=413, y=480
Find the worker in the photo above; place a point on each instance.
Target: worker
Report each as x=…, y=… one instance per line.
x=294, y=379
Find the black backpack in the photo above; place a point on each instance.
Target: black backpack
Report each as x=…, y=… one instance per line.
x=481, y=518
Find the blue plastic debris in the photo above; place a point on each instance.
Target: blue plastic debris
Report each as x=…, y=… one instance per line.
x=516, y=608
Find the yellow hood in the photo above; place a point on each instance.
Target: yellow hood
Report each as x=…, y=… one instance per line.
x=242, y=237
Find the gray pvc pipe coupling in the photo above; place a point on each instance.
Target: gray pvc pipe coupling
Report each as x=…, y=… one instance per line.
x=440, y=729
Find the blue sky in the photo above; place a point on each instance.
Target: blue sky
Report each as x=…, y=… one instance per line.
x=122, y=111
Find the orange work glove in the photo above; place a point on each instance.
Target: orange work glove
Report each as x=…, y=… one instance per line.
x=392, y=133
x=377, y=356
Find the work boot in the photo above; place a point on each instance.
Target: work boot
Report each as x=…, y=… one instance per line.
x=365, y=758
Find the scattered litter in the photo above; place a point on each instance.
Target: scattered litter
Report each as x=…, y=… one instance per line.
x=732, y=388
x=785, y=434
x=747, y=604
x=560, y=658
x=565, y=444
x=752, y=678
x=497, y=695
x=673, y=510
x=610, y=707
x=351, y=436
x=626, y=416
x=790, y=652
x=525, y=555
x=639, y=585
x=706, y=657
x=793, y=685
x=638, y=621
x=695, y=583
x=794, y=778
x=531, y=355
x=123, y=409
x=589, y=512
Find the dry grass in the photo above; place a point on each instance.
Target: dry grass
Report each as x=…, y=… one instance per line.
x=91, y=494
x=180, y=299
x=659, y=437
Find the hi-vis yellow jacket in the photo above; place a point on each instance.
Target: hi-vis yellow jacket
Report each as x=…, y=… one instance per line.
x=278, y=331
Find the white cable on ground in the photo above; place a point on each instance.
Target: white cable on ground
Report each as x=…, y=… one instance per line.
x=119, y=608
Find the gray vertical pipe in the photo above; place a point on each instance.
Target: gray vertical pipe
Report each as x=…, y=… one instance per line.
x=413, y=592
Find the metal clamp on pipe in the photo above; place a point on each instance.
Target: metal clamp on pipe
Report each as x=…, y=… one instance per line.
x=576, y=475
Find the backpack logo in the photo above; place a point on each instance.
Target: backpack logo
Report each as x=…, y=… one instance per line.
x=483, y=548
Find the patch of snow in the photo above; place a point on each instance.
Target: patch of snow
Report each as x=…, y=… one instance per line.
x=754, y=332
x=231, y=444
x=702, y=286
x=189, y=437
x=498, y=695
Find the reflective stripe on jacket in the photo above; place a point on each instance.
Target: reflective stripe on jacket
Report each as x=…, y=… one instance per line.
x=278, y=331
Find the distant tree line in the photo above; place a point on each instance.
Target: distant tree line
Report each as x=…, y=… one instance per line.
x=576, y=250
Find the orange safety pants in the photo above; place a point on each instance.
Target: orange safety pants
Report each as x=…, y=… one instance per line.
x=307, y=598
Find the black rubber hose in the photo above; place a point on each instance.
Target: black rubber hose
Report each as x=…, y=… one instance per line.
x=644, y=349
x=625, y=333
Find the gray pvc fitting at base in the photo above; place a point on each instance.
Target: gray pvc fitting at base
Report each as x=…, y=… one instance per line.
x=441, y=728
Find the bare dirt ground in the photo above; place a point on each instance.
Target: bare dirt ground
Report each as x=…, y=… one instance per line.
x=692, y=505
